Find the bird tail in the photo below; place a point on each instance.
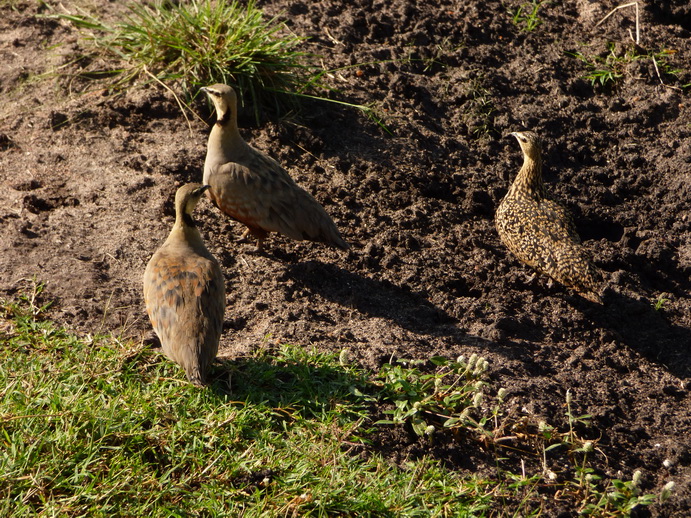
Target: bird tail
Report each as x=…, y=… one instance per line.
x=592, y=284
x=340, y=243
x=591, y=296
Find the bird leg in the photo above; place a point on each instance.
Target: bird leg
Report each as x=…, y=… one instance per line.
x=257, y=235
x=244, y=235
x=529, y=278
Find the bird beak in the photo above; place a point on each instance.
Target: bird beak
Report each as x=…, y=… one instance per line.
x=199, y=191
x=204, y=89
x=512, y=134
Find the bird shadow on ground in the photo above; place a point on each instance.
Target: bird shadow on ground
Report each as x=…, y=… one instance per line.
x=405, y=308
x=638, y=324
x=374, y=298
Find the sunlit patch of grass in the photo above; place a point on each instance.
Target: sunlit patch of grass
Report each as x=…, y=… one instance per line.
x=95, y=426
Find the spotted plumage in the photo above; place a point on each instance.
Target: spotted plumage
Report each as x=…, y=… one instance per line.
x=539, y=231
x=253, y=188
x=184, y=291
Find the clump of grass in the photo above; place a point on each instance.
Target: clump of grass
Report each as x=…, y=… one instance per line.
x=526, y=16
x=444, y=397
x=607, y=70
x=187, y=45
x=659, y=304
x=200, y=42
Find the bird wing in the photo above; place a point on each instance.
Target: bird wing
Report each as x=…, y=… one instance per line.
x=185, y=299
x=259, y=193
x=544, y=237
x=557, y=221
x=530, y=233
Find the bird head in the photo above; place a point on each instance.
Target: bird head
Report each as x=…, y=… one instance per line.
x=186, y=199
x=224, y=99
x=530, y=143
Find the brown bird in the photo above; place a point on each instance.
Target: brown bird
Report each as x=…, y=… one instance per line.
x=540, y=231
x=184, y=291
x=253, y=188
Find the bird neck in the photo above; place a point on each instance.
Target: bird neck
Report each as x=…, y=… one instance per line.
x=224, y=138
x=225, y=118
x=187, y=220
x=529, y=179
x=185, y=229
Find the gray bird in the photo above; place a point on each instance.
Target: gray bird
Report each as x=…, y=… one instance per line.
x=184, y=291
x=253, y=188
x=540, y=231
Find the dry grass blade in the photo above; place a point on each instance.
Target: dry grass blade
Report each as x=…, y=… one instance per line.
x=638, y=28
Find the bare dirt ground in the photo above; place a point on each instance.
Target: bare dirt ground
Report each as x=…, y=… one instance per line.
x=88, y=179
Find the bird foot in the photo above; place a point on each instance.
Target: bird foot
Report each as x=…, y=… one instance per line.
x=530, y=278
x=244, y=235
x=244, y=238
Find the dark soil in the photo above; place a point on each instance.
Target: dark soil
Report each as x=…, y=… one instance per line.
x=88, y=181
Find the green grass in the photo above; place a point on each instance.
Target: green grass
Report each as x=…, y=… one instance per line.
x=609, y=69
x=659, y=304
x=95, y=426
x=196, y=43
x=186, y=45
x=526, y=16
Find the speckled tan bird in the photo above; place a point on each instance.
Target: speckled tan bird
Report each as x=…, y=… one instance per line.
x=540, y=231
x=253, y=188
x=184, y=292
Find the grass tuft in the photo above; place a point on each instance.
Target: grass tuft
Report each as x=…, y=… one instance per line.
x=187, y=45
x=526, y=16
x=617, y=63
x=201, y=42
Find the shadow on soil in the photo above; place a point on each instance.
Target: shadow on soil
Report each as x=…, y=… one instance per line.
x=374, y=298
x=640, y=326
